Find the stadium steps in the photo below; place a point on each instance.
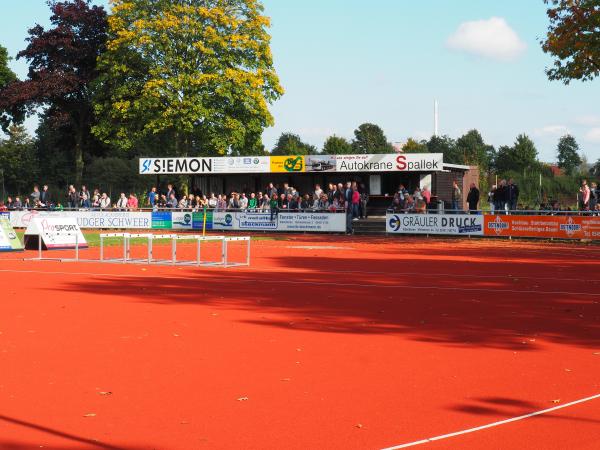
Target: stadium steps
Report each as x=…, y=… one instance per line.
x=374, y=226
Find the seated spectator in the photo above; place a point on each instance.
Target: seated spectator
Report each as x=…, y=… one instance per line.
x=132, y=202
x=283, y=202
x=121, y=203
x=306, y=202
x=161, y=202
x=3, y=207
x=183, y=203
x=293, y=203
x=10, y=204
x=59, y=207
x=17, y=203
x=409, y=204
x=420, y=206
x=96, y=201
x=27, y=204
x=265, y=203
x=172, y=202
x=234, y=201
x=105, y=201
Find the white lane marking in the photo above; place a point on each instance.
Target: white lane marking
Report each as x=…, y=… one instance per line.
x=311, y=283
x=491, y=425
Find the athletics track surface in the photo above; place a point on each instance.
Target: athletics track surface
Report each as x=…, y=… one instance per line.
x=324, y=343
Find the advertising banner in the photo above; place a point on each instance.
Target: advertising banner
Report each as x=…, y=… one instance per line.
x=242, y=164
x=181, y=220
x=287, y=164
x=198, y=220
x=55, y=233
x=9, y=242
x=548, y=227
x=284, y=221
x=162, y=220
x=88, y=219
x=409, y=162
x=450, y=224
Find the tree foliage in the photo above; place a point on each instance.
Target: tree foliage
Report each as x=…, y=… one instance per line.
x=7, y=76
x=291, y=144
x=522, y=156
x=573, y=39
x=568, y=154
x=447, y=146
x=62, y=65
x=474, y=150
x=335, y=145
x=369, y=139
x=414, y=146
x=18, y=162
x=198, y=71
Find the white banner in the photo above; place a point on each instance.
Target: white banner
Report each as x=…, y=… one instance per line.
x=449, y=224
x=88, y=219
x=284, y=221
x=409, y=162
x=55, y=232
x=181, y=220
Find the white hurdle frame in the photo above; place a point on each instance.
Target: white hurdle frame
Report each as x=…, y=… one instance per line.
x=175, y=238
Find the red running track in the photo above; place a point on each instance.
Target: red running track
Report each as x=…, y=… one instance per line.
x=324, y=343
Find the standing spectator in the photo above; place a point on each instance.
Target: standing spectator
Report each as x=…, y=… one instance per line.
x=252, y=202
x=171, y=191
x=132, y=202
x=212, y=201
x=594, y=194
x=331, y=192
x=426, y=193
x=364, y=200
x=84, y=197
x=72, y=197
x=355, y=202
x=104, y=202
x=121, y=203
x=318, y=191
x=152, y=197
x=584, y=202
x=456, y=197
x=45, y=195
x=221, y=203
x=35, y=195
x=491, y=198
x=512, y=194
x=500, y=197
x=274, y=206
x=243, y=201
x=473, y=199
x=271, y=190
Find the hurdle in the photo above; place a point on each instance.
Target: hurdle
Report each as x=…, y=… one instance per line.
x=41, y=257
x=174, y=238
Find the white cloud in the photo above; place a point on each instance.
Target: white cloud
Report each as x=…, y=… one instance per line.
x=492, y=38
x=551, y=130
x=593, y=136
x=588, y=121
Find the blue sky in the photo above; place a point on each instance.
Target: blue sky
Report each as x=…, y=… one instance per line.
x=345, y=62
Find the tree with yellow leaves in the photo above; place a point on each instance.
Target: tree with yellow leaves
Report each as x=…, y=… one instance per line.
x=186, y=77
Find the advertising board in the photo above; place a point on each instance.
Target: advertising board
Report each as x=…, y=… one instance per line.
x=55, y=233
x=88, y=219
x=9, y=242
x=284, y=221
x=450, y=224
x=547, y=227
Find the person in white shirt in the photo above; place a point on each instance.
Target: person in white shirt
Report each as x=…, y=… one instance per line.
x=105, y=201
x=243, y=201
x=212, y=201
x=318, y=192
x=122, y=202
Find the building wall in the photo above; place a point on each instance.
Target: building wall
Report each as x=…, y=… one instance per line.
x=470, y=176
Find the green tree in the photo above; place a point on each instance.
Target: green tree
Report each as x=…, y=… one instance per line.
x=573, y=39
x=595, y=170
x=291, y=144
x=18, y=161
x=369, y=139
x=197, y=71
x=522, y=156
x=414, y=146
x=7, y=76
x=568, y=154
x=447, y=146
x=474, y=150
x=335, y=145
x=62, y=65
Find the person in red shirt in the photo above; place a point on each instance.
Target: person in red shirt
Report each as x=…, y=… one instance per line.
x=132, y=202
